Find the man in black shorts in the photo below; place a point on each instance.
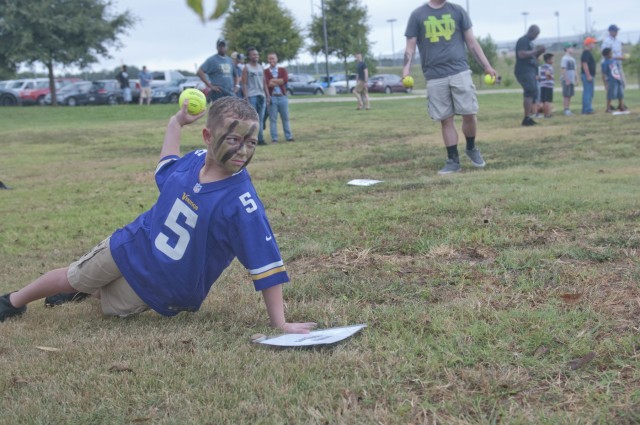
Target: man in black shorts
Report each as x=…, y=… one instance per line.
x=527, y=68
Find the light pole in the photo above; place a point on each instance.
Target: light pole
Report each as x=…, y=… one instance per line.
x=525, y=20
x=326, y=45
x=393, y=47
x=586, y=18
x=558, y=19
x=589, y=9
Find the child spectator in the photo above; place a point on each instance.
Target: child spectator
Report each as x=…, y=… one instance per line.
x=568, y=67
x=545, y=75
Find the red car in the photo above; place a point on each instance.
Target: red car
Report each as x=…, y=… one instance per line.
x=387, y=83
x=35, y=93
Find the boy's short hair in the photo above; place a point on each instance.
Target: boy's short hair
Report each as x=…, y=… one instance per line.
x=606, y=51
x=547, y=56
x=230, y=106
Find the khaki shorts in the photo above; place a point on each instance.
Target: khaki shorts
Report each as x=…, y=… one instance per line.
x=145, y=92
x=454, y=95
x=361, y=87
x=96, y=271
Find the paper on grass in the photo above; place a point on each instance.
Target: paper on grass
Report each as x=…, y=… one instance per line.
x=363, y=182
x=319, y=337
x=620, y=113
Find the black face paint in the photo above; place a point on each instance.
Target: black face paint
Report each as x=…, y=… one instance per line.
x=232, y=151
x=232, y=127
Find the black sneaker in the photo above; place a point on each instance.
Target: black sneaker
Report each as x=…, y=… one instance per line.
x=528, y=121
x=62, y=298
x=8, y=310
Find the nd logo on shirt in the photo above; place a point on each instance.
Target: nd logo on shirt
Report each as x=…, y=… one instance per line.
x=225, y=68
x=436, y=28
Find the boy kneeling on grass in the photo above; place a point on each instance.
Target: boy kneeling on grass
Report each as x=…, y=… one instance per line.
x=207, y=213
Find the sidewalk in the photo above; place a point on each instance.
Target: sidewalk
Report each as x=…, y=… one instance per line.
x=416, y=94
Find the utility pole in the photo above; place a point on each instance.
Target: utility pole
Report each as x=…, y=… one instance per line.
x=393, y=47
x=326, y=44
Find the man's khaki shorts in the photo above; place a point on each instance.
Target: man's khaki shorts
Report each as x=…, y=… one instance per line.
x=97, y=272
x=454, y=95
x=145, y=92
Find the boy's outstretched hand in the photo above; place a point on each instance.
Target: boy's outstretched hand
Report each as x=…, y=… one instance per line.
x=184, y=118
x=298, y=328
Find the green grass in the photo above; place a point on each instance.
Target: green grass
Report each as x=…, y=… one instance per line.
x=479, y=289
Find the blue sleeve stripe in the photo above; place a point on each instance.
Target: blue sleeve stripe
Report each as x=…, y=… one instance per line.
x=268, y=273
x=165, y=161
x=267, y=267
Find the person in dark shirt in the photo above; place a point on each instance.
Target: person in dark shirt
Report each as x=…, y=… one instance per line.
x=588, y=74
x=527, y=68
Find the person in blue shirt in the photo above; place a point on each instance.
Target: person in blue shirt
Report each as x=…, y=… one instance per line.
x=207, y=213
x=145, y=78
x=218, y=73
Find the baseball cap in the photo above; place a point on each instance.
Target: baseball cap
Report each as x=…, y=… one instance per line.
x=567, y=45
x=614, y=27
x=221, y=40
x=589, y=40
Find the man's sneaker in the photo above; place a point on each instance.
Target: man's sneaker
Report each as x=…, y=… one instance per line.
x=451, y=166
x=8, y=310
x=63, y=298
x=568, y=113
x=528, y=121
x=476, y=157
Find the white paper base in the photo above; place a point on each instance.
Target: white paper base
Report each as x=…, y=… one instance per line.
x=319, y=337
x=363, y=182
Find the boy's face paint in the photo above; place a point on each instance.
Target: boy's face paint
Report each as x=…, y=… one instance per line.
x=235, y=144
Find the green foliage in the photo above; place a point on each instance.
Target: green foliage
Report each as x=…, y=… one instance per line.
x=265, y=25
x=347, y=29
x=221, y=7
x=490, y=51
x=632, y=65
x=63, y=32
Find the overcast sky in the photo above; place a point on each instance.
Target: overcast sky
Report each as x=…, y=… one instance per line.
x=170, y=36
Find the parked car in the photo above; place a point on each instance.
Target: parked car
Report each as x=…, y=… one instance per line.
x=165, y=77
x=16, y=92
x=134, y=85
x=303, y=84
x=342, y=85
x=105, y=92
x=166, y=93
x=387, y=83
x=191, y=83
x=35, y=94
x=72, y=94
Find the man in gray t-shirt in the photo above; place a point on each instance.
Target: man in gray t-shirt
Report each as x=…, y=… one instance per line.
x=440, y=30
x=218, y=73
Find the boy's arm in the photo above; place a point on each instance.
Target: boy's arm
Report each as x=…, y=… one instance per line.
x=275, y=308
x=171, y=144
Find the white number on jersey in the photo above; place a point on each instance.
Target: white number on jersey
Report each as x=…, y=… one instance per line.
x=161, y=242
x=248, y=202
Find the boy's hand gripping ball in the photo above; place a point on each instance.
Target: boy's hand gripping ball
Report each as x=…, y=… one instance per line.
x=197, y=101
x=489, y=79
x=407, y=81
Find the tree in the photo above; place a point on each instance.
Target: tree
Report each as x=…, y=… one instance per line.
x=222, y=6
x=265, y=25
x=490, y=50
x=59, y=32
x=347, y=30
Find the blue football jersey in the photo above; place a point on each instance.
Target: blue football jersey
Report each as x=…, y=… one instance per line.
x=172, y=254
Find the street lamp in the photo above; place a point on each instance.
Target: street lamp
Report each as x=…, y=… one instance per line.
x=558, y=19
x=393, y=47
x=589, y=9
x=326, y=45
x=525, y=20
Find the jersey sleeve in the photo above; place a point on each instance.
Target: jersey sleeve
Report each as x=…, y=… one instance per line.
x=164, y=169
x=255, y=247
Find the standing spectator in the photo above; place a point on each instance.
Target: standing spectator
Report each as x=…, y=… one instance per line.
x=254, y=87
x=238, y=66
x=545, y=77
x=612, y=78
x=526, y=69
x=611, y=41
x=218, y=73
x=277, y=78
x=145, y=78
x=123, y=79
x=568, y=81
x=440, y=30
x=588, y=74
x=361, y=91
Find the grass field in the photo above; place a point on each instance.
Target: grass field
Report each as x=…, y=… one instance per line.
x=503, y=295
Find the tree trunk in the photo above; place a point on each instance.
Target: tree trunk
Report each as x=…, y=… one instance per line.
x=52, y=84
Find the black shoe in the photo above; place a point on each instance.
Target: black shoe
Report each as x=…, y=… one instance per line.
x=8, y=310
x=63, y=298
x=4, y=186
x=528, y=121
x=291, y=140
